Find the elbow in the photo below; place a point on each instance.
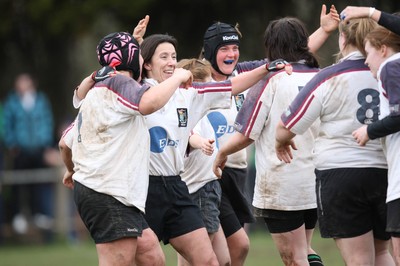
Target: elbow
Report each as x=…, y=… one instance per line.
x=61, y=144
x=146, y=108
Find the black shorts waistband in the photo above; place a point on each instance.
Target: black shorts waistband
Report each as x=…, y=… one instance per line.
x=164, y=179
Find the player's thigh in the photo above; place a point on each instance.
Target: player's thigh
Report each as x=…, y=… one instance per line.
x=194, y=246
x=293, y=243
x=149, y=249
x=119, y=252
x=220, y=247
x=239, y=241
x=396, y=248
x=358, y=250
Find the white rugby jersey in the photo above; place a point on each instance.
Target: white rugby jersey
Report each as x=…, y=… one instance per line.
x=198, y=166
x=110, y=141
x=278, y=185
x=170, y=126
x=223, y=120
x=217, y=125
x=344, y=97
x=389, y=85
x=223, y=123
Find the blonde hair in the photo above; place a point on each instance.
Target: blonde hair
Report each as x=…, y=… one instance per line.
x=355, y=32
x=200, y=68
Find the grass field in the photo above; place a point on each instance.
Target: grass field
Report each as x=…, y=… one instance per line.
x=262, y=252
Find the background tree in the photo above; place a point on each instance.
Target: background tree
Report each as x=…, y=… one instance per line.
x=55, y=40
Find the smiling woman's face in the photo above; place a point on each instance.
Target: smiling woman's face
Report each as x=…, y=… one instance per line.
x=227, y=58
x=162, y=63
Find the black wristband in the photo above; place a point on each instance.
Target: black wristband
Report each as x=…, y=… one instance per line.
x=272, y=67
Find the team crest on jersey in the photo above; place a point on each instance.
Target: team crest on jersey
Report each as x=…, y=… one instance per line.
x=182, y=116
x=239, y=99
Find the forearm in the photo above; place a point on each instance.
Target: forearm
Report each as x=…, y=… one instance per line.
x=236, y=143
x=352, y=12
x=317, y=39
x=195, y=141
x=389, y=21
x=384, y=127
x=157, y=96
x=283, y=135
x=66, y=155
x=86, y=84
x=247, y=79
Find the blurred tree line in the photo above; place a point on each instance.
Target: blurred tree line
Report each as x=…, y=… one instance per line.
x=55, y=40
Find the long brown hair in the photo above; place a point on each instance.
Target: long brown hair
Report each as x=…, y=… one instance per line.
x=287, y=38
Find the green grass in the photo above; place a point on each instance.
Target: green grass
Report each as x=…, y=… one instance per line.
x=262, y=252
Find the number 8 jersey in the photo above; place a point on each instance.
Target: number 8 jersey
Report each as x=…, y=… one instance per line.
x=344, y=96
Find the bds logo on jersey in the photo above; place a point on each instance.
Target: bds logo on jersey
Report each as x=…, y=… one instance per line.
x=159, y=140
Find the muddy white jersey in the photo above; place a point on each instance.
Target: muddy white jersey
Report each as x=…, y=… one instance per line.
x=389, y=85
x=344, y=97
x=278, y=186
x=223, y=121
x=110, y=141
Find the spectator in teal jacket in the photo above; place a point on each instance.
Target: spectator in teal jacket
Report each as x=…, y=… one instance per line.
x=28, y=133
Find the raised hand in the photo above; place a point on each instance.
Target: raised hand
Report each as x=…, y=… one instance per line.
x=140, y=29
x=329, y=22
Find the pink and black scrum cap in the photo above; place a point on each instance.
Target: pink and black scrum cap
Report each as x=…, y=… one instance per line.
x=120, y=49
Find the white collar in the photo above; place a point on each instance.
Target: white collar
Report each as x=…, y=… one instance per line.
x=356, y=55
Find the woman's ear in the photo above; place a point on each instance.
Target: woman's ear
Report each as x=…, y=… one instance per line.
x=384, y=50
x=147, y=66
